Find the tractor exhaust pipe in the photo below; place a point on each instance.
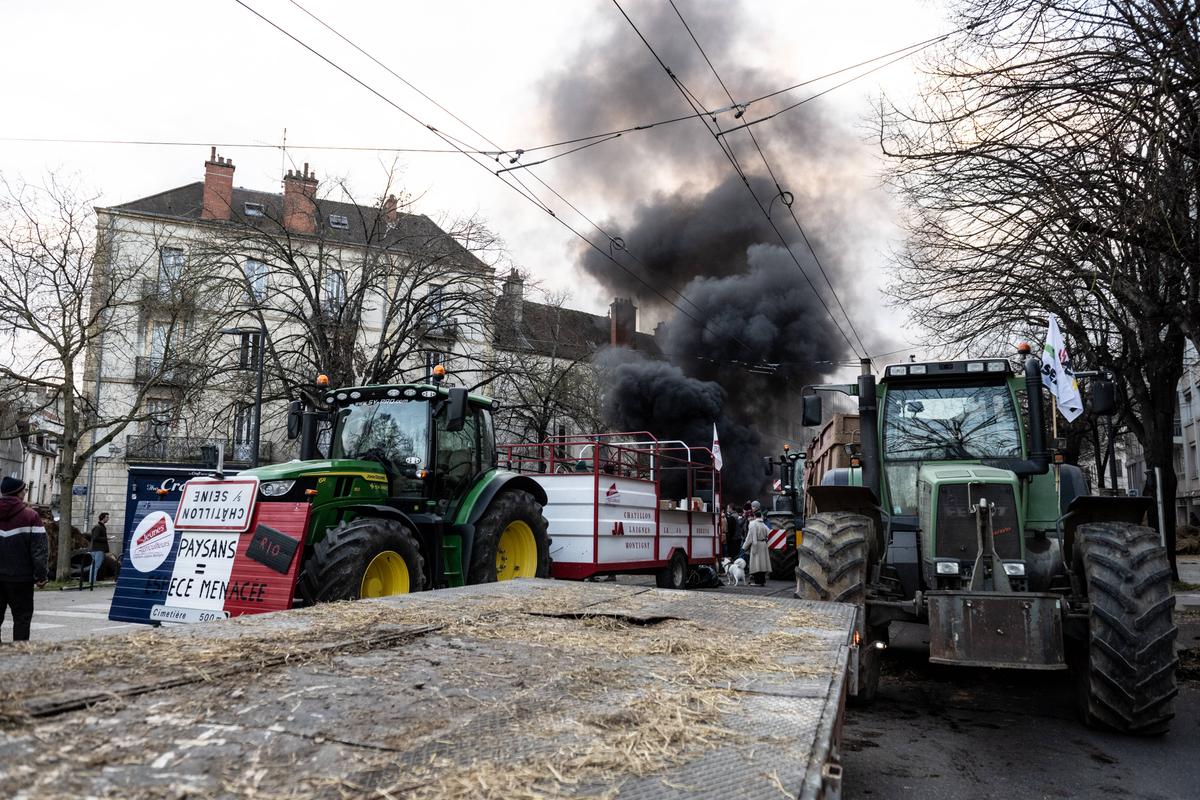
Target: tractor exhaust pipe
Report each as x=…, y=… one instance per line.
x=868, y=416
x=1038, y=454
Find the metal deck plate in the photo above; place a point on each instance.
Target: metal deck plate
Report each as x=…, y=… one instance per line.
x=503, y=690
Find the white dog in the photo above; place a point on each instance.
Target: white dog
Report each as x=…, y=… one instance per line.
x=734, y=571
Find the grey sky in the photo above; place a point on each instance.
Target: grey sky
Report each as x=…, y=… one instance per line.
x=213, y=72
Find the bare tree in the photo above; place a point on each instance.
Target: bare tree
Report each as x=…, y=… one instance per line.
x=1050, y=165
x=363, y=295
x=68, y=293
x=542, y=370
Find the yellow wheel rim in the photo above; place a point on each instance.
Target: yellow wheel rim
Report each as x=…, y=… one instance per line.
x=387, y=574
x=516, y=552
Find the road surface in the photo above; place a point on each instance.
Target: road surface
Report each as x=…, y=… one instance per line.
x=59, y=615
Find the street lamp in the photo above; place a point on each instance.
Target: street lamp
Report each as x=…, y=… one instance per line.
x=260, y=340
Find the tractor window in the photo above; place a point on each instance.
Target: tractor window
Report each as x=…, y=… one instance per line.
x=950, y=422
x=393, y=433
x=487, y=440
x=457, y=457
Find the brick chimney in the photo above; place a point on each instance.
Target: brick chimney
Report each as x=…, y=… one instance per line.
x=512, y=300
x=300, y=201
x=389, y=211
x=218, y=188
x=622, y=316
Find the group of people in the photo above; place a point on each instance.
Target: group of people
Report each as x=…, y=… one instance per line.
x=745, y=537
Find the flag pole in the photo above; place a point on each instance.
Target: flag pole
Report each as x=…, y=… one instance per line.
x=1057, y=466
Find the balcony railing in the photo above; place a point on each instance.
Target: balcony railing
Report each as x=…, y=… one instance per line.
x=155, y=291
x=152, y=368
x=440, y=330
x=150, y=447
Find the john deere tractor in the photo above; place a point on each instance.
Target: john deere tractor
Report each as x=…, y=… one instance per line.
x=953, y=515
x=408, y=496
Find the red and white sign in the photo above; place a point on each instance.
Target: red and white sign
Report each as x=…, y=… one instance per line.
x=151, y=542
x=777, y=539
x=213, y=505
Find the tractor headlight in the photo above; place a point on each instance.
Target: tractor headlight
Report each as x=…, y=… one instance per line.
x=276, y=488
x=947, y=568
x=1016, y=570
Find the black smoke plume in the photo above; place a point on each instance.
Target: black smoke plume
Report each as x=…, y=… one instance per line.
x=686, y=214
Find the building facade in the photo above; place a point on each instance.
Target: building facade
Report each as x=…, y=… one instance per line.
x=361, y=293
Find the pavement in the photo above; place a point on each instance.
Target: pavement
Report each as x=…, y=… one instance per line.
x=69, y=614
x=1189, y=572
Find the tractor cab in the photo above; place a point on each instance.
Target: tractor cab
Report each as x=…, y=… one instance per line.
x=431, y=442
x=951, y=437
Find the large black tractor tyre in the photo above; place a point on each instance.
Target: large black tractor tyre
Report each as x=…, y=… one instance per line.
x=675, y=574
x=831, y=561
x=511, y=540
x=365, y=557
x=1126, y=680
x=831, y=565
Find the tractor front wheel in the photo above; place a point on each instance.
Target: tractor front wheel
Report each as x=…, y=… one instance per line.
x=365, y=557
x=511, y=540
x=1126, y=681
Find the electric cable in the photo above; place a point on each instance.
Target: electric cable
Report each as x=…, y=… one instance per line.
x=688, y=97
x=905, y=52
x=779, y=189
x=499, y=151
x=527, y=194
x=243, y=145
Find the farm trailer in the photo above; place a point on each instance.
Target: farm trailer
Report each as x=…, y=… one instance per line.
x=624, y=503
x=522, y=688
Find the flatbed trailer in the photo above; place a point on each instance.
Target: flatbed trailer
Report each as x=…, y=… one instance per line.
x=526, y=688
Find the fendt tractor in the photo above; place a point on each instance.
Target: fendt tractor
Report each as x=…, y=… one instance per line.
x=409, y=498
x=955, y=514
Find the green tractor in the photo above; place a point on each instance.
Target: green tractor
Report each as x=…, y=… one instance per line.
x=953, y=516
x=410, y=496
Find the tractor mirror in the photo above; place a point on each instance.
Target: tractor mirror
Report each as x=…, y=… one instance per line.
x=1104, y=397
x=293, y=420
x=456, y=409
x=812, y=410
x=768, y=467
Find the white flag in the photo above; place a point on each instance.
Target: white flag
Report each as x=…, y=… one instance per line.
x=1058, y=375
x=716, y=448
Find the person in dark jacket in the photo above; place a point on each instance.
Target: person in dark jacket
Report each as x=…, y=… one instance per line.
x=22, y=556
x=99, y=544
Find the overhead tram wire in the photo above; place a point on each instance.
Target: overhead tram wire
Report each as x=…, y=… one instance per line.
x=515, y=156
x=775, y=180
x=450, y=141
x=732, y=157
x=246, y=145
x=903, y=52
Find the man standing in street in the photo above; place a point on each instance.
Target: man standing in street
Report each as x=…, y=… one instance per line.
x=22, y=556
x=99, y=544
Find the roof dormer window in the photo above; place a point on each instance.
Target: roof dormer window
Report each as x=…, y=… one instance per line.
x=339, y=221
x=254, y=209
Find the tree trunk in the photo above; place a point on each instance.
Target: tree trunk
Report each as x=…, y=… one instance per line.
x=66, y=482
